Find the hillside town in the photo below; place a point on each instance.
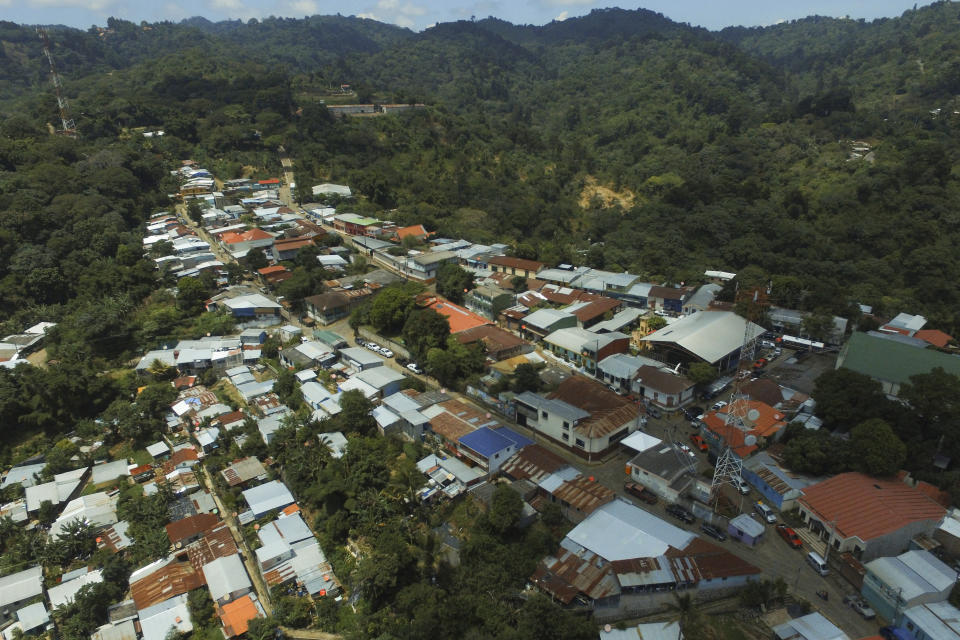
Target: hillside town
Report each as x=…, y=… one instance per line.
x=643, y=419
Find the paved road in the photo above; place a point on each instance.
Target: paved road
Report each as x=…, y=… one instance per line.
x=263, y=593
x=286, y=197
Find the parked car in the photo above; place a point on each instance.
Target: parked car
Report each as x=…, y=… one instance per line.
x=857, y=604
x=680, y=513
x=639, y=491
x=653, y=412
x=373, y=347
x=760, y=363
x=741, y=485
x=896, y=633
x=698, y=442
x=413, y=367
x=720, y=405
x=713, y=532
x=765, y=512
x=386, y=352
x=790, y=536
x=687, y=450
x=361, y=343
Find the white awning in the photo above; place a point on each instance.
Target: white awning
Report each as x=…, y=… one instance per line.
x=640, y=441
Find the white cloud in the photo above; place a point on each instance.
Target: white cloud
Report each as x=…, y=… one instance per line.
x=563, y=16
x=304, y=7
x=232, y=5
x=93, y=5
x=402, y=14
x=568, y=3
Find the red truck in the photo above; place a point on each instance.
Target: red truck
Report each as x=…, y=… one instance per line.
x=641, y=492
x=790, y=536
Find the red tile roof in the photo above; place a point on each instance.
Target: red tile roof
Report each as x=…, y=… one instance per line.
x=246, y=236
x=596, y=308
x=236, y=615
x=460, y=319
x=608, y=411
x=584, y=494
x=866, y=507
x=516, y=263
x=276, y=268
x=188, y=527
x=414, y=231
x=172, y=580
x=216, y=542
x=533, y=462
x=934, y=336
x=493, y=339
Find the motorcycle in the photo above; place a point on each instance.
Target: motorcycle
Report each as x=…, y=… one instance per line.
x=823, y=594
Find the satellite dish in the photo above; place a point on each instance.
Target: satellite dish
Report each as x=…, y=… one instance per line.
x=750, y=440
x=753, y=415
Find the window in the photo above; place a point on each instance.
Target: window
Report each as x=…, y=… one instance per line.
x=566, y=426
x=566, y=436
x=543, y=414
x=580, y=443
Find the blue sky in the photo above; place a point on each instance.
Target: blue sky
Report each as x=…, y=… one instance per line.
x=419, y=14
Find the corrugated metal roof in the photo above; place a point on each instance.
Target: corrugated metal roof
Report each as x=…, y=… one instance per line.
x=709, y=335
x=226, y=575
x=620, y=531
x=267, y=497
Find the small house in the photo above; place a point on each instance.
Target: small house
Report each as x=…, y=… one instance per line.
x=746, y=530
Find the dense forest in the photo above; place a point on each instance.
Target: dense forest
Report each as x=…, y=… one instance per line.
x=621, y=140
x=820, y=155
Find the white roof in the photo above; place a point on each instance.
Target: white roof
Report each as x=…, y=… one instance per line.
x=747, y=525
x=63, y=594
x=40, y=493
x=709, y=335
x=23, y=474
x=939, y=620
x=306, y=375
x=157, y=621
x=908, y=321
x=314, y=350
x=640, y=441
x=32, y=616
x=545, y=318
x=109, y=471
x=336, y=441
x=97, y=509
x=267, y=497
x=119, y=631
x=356, y=384
x=225, y=576
x=620, y=531
x=254, y=300
x=21, y=586
x=361, y=356
x=576, y=340
x=206, y=437
x=812, y=626
x=158, y=449
x=720, y=275
x=645, y=631
x=915, y=572
x=380, y=377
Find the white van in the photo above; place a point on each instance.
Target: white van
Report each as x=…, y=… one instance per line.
x=765, y=512
x=819, y=564
x=741, y=485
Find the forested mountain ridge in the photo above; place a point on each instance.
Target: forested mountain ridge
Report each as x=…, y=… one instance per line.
x=620, y=139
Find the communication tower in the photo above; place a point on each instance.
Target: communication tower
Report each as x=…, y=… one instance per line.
x=729, y=465
x=69, y=127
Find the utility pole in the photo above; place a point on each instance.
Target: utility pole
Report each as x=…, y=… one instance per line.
x=830, y=535
x=69, y=127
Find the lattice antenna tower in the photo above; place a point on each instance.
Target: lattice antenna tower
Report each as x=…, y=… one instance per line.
x=755, y=302
x=730, y=466
x=69, y=127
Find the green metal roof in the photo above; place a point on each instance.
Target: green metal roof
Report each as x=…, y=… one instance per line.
x=893, y=361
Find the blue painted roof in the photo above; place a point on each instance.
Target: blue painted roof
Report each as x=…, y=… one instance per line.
x=516, y=438
x=486, y=441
